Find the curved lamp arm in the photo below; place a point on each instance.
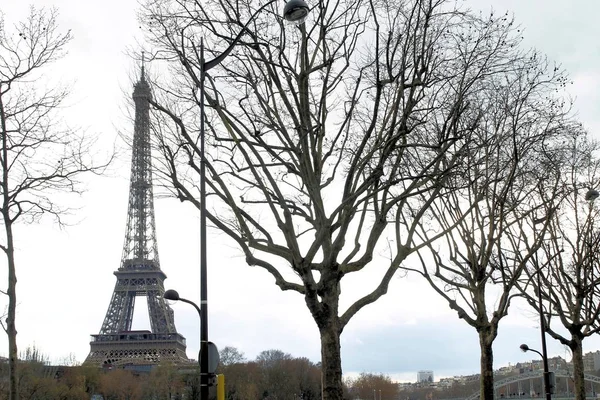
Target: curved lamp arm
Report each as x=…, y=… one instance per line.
x=217, y=60
x=295, y=10
x=192, y=303
x=174, y=296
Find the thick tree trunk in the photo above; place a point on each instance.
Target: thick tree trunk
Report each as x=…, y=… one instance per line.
x=9, y=250
x=331, y=362
x=486, y=382
x=578, y=369
x=11, y=328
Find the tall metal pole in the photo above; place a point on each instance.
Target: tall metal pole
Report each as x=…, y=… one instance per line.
x=294, y=10
x=203, y=270
x=543, y=330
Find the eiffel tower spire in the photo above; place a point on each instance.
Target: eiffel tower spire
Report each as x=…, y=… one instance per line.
x=139, y=249
x=139, y=273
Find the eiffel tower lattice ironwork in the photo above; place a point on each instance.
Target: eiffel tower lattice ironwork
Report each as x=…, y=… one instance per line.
x=139, y=273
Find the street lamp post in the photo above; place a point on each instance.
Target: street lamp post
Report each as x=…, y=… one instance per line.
x=213, y=353
x=543, y=333
x=173, y=295
x=544, y=353
x=294, y=11
x=590, y=196
x=544, y=356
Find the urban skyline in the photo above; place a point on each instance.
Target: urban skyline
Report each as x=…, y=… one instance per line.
x=591, y=365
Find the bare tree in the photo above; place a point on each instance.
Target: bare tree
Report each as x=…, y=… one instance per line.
x=375, y=386
x=489, y=213
x=328, y=141
x=563, y=279
x=230, y=355
x=39, y=157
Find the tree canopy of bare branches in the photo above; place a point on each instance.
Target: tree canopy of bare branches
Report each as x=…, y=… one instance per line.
x=39, y=156
x=331, y=141
x=508, y=180
x=564, y=276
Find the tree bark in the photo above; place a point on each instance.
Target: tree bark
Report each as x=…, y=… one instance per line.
x=578, y=369
x=9, y=250
x=486, y=383
x=331, y=362
x=11, y=328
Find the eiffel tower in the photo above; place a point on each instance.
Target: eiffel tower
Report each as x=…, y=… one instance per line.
x=139, y=274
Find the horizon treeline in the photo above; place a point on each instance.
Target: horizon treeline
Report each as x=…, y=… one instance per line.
x=273, y=374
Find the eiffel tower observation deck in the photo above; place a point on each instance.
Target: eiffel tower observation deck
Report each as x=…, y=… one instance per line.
x=118, y=343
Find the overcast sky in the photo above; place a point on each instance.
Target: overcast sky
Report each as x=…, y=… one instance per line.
x=66, y=277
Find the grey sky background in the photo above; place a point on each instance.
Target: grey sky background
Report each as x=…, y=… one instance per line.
x=65, y=277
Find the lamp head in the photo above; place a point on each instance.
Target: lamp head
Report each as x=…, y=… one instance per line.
x=295, y=11
x=171, y=295
x=524, y=347
x=592, y=195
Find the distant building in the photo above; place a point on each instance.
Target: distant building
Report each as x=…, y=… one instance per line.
x=446, y=383
x=508, y=370
x=559, y=363
x=591, y=361
x=425, y=377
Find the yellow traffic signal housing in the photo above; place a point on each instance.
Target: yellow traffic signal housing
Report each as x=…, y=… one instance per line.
x=220, y=387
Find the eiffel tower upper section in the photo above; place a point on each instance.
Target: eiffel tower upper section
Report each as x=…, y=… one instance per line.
x=140, y=250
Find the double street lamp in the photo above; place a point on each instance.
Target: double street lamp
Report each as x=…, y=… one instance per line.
x=293, y=11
